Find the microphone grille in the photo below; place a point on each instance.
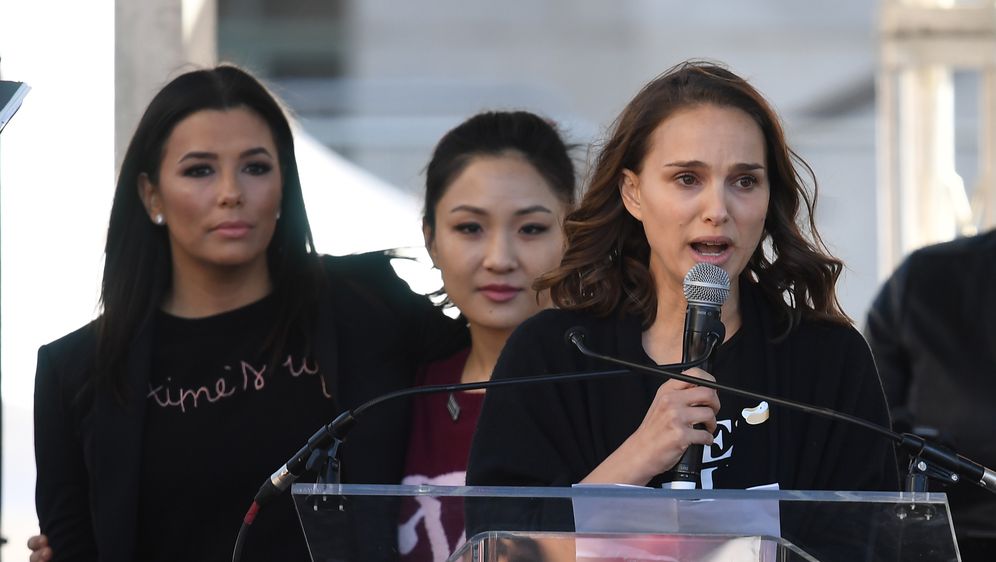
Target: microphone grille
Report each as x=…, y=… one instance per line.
x=706, y=283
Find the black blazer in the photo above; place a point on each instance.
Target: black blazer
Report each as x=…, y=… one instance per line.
x=932, y=329
x=371, y=333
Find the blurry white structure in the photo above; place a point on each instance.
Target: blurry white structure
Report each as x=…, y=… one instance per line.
x=351, y=210
x=154, y=41
x=56, y=183
x=922, y=199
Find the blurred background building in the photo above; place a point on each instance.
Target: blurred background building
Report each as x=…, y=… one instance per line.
x=375, y=83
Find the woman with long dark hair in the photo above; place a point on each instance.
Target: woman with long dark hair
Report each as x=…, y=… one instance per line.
x=224, y=342
x=695, y=169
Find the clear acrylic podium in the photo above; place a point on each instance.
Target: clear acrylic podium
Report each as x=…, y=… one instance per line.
x=617, y=524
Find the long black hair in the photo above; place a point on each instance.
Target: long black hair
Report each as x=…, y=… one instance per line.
x=494, y=133
x=137, y=264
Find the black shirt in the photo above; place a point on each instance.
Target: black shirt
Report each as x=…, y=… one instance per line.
x=556, y=434
x=735, y=436
x=217, y=412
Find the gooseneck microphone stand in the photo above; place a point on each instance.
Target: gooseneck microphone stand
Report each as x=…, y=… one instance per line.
x=323, y=446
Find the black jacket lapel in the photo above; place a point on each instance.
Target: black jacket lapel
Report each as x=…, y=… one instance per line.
x=326, y=348
x=118, y=437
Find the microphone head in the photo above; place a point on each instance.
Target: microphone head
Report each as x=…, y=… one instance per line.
x=706, y=284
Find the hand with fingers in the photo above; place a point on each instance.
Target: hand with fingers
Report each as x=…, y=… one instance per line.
x=40, y=551
x=664, y=434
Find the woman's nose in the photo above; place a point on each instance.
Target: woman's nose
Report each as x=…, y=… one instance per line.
x=500, y=254
x=229, y=190
x=714, y=203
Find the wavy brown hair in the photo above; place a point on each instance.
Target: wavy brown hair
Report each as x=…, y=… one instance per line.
x=606, y=264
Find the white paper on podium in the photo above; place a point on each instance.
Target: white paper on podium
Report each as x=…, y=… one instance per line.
x=671, y=516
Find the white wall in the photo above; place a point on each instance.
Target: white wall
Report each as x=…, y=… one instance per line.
x=56, y=181
x=417, y=66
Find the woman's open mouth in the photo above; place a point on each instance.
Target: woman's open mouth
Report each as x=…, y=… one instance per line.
x=710, y=249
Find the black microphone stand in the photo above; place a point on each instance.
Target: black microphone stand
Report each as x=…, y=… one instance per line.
x=321, y=451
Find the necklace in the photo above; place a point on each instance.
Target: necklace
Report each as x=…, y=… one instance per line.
x=453, y=407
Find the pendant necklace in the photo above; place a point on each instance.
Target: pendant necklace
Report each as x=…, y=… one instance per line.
x=453, y=407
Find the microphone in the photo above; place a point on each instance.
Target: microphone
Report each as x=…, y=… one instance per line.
x=915, y=445
x=706, y=288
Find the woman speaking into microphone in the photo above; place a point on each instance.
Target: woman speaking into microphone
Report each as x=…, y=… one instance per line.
x=696, y=169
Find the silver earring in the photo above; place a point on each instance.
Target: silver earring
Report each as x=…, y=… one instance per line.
x=278, y=215
x=159, y=219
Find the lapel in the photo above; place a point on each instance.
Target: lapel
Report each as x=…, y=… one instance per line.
x=118, y=440
x=776, y=358
x=326, y=345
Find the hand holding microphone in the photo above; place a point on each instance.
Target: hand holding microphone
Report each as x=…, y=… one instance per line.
x=706, y=288
x=681, y=415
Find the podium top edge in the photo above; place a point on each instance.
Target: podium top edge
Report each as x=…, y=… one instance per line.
x=616, y=491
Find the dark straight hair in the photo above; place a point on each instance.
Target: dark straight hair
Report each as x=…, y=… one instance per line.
x=496, y=133
x=137, y=263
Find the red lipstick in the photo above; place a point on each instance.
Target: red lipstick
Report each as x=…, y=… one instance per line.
x=497, y=292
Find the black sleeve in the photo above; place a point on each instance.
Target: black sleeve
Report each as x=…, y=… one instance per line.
x=840, y=456
x=836, y=455
x=433, y=334
x=884, y=331
x=877, y=457
x=62, y=487
x=524, y=437
x=428, y=333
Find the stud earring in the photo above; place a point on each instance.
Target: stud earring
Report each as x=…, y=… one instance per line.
x=278, y=215
x=159, y=219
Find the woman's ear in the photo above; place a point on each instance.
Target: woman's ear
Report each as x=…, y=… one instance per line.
x=149, y=196
x=429, y=235
x=629, y=190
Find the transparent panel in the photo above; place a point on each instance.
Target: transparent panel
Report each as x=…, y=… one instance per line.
x=350, y=522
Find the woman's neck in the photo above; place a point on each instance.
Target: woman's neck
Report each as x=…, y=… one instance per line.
x=196, y=293
x=485, y=347
x=663, y=340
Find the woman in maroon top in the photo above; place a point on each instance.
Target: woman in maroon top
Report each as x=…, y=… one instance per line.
x=497, y=190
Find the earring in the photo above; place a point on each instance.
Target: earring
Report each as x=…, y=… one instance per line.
x=159, y=219
x=278, y=215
